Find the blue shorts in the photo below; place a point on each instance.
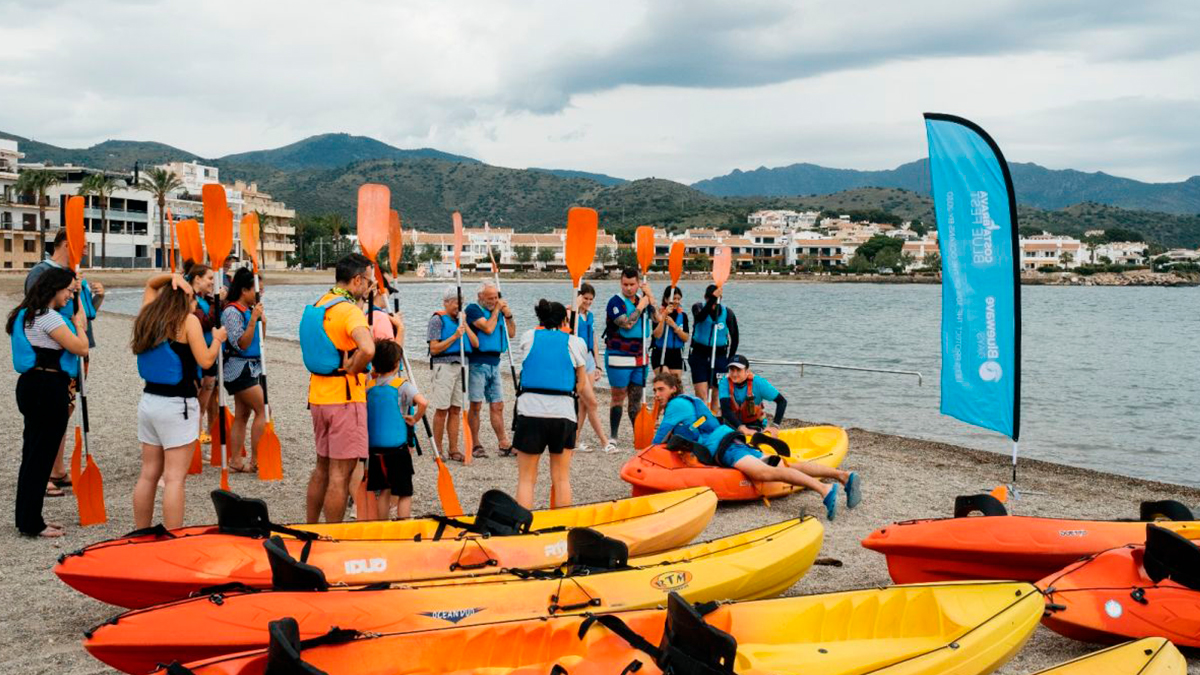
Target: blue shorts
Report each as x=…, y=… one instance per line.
x=485, y=384
x=621, y=378
x=736, y=452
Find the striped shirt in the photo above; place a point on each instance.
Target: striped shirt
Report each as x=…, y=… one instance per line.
x=39, y=333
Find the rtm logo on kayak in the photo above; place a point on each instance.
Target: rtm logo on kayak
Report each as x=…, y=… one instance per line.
x=672, y=581
x=556, y=550
x=366, y=566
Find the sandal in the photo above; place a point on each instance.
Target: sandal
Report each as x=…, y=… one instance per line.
x=63, y=481
x=457, y=456
x=54, y=491
x=507, y=452
x=242, y=469
x=478, y=452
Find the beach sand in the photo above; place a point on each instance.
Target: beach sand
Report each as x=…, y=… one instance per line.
x=904, y=478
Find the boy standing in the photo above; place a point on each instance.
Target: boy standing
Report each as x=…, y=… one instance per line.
x=393, y=407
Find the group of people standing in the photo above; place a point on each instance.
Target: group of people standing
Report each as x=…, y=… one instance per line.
x=365, y=405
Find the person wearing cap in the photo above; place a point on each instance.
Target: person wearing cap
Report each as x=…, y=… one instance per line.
x=742, y=394
x=447, y=327
x=716, y=328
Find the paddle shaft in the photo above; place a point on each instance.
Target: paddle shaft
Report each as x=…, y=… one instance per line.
x=712, y=358
x=221, y=381
x=462, y=358
x=82, y=412
x=512, y=367
x=262, y=353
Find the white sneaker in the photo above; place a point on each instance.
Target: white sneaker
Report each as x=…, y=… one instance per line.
x=611, y=448
x=583, y=447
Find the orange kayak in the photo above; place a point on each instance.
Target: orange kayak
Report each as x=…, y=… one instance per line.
x=154, y=567
x=1151, y=590
x=1022, y=548
x=658, y=469
x=951, y=629
x=749, y=565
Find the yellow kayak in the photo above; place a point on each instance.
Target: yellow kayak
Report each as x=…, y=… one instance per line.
x=935, y=629
x=1149, y=656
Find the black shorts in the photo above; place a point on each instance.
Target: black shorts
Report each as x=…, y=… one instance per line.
x=674, y=358
x=242, y=382
x=390, y=469
x=535, y=435
x=210, y=371
x=698, y=360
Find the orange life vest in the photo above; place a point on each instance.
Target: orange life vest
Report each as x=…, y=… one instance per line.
x=749, y=410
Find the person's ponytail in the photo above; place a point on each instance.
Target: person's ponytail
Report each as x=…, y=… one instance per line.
x=550, y=314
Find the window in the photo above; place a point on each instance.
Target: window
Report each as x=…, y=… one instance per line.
x=30, y=246
x=8, y=245
x=8, y=264
x=139, y=251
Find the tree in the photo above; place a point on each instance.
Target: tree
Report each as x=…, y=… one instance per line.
x=697, y=263
x=933, y=261
x=35, y=182
x=859, y=264
x=430, y=253
x=545, y=256
x=160, y=183
x=626, y=257
x=604, y=254
x=1092, y=243
x=887, y=259
x=1029, y=231
x=879, y=243
x=409, y=258
x=918, y=227
x=524, y=254
x=1113, y=234
x=907, y=260
x=1066, y=259
x=102, y=185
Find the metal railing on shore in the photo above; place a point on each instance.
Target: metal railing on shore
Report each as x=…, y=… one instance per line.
x=808, y=364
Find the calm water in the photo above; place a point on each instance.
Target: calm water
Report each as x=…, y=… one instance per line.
x=1111, y=375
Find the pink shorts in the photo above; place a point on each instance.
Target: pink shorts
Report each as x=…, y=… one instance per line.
x=340, y=430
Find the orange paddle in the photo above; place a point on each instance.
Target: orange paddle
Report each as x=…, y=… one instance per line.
x=218, y=240
x=89, y=486
x=583, y=225
x=270, y=454
x=675, y=265
x=374, y=207
x=462, y=344
x=643, y=424
x=722, y=262
x=395, y=243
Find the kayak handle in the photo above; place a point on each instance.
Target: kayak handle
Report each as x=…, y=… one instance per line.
x=554, y=608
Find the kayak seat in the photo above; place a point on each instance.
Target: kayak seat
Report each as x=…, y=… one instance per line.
x=1167, y=509
x=680, y=444
x=984, y=504
x=1170, y=556
x=240, y=515
x=588, y=550
x=289, y=574
x=692, y=645
x=283, y=652
x=500, y=514
x=780, y=448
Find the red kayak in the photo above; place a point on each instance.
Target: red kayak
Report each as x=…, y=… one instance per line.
x=1000, y=546
x=1129, y=592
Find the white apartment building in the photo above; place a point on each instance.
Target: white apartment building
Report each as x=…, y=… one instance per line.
x=1051, y=250
x=784, y=219
x=504, y=243
x=1119, y=252
x=22, y=247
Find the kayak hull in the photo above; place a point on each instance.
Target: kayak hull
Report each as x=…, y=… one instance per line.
x=1093, y=600
x=657, y=469
x=1148, y=656
x=953, y=629
x=1020, y=548
x=750, y=565
x=149, y=570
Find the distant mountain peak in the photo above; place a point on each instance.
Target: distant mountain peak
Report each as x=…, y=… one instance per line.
x=331, y=150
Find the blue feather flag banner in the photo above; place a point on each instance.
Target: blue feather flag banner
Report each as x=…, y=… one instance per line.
x=981, y=275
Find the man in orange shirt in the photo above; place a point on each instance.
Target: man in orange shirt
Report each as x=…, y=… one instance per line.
x=337, y=346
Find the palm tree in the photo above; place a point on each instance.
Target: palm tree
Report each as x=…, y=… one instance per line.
x=37, y=182
x=102, y=185
x=160, y=183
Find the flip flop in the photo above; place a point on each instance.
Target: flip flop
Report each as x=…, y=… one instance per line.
x=63, y=481
x=853, y=490
x=53, y=491
x=457, y=456
x=830, y=502
x=478, y=452
x=507, y=452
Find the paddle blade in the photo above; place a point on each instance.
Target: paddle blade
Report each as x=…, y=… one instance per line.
x=721, y=263
x=675, y=262
x=90, y=495
x=645, y=247
x=218, y=224
x=643, y=429
x=468, y=442
x=197, y=465
x=373, y=203
x=248, y=235
x=445, y=487
x=270, y=455
x=553, y=497
x=76, y=456
x=395, y=242
x=582, y=226
x=458, y=238
x=76, y=237
x=364, y=501
x=1000, y=492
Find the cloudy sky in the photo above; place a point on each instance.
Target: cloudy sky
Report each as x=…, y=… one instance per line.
x=681, y=90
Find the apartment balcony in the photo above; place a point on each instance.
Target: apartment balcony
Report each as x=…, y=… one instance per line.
x=285, y=247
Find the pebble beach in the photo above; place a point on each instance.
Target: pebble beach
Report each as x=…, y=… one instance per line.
x=904, y=479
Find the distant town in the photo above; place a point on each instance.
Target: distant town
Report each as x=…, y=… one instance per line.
x=775, y=241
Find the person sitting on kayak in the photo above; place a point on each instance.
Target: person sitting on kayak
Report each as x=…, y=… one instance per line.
x=742, y=396
x=688, y=417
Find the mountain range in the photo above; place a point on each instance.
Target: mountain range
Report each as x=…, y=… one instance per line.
x=320, y=175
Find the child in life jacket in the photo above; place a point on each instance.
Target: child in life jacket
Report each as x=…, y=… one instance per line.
x=393, y=408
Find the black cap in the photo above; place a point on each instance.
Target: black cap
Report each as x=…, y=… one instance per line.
x=738, y=361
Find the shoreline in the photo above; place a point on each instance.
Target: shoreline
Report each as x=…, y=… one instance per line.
x=904, y=478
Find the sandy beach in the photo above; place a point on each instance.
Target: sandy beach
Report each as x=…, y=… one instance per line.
x=904, y=478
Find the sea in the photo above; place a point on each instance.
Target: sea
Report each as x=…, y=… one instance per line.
x=1110, y=375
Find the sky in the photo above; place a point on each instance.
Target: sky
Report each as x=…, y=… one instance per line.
x=671, y=89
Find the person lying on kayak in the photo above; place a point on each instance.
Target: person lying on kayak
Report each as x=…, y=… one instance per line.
x=688, y=417
x=742, y=396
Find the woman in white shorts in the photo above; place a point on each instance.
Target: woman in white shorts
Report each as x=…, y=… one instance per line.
x=171, y=352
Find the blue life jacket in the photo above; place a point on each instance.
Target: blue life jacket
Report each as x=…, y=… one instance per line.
x=639, y=330
x=673, y=341
x=166, y=373
x=705, y=328
x=489, y=345
x=85, y=296
x=706, y=430
x=26, y=357
x=321, y=356
x=547, y=368
x=587, y=331
x=449, y=325
x=254, y=351
x=385, y=422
